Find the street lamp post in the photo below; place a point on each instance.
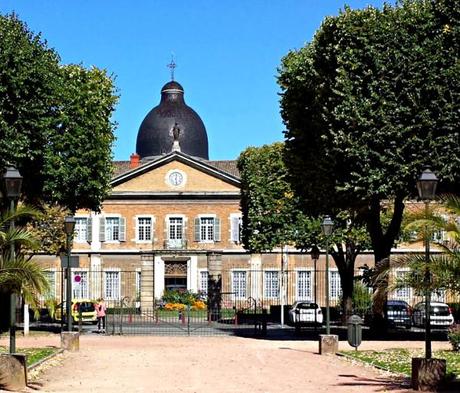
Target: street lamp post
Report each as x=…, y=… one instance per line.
x=326, y=227
x=426, y=187
x=69, y=228
x=314, y=253
x=13, y=182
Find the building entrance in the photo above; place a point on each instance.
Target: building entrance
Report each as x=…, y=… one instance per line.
x=175, y=275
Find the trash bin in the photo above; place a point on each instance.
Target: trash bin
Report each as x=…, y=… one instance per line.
x=355, y=334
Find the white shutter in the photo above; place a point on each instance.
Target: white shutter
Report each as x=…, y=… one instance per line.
x=122, y=222
x=235, y=229
x=217, y=229
x=102, y=229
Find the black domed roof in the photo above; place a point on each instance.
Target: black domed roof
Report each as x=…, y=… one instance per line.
x=155, y=136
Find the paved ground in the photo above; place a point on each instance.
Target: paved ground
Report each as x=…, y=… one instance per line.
x=205, y=365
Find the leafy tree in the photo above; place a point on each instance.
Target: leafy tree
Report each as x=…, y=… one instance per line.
x=272, y=216
x=54, y=121
x=367, y=104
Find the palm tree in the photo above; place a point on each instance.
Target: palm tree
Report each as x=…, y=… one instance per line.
x=444, y=265
x=18, y=273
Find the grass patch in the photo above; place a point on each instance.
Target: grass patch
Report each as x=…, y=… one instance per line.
x=33, y=354
x=399, y=360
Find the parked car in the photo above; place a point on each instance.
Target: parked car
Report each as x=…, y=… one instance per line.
x=440, y=315
x=305, y=314
x=398, y=314
x=86, y=306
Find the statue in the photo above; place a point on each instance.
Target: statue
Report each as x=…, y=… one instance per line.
x=176, y=132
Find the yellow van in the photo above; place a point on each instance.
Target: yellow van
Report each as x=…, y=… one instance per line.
x=86, y=306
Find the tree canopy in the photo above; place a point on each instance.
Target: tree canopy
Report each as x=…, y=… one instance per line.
x=55, y=121
x=367, y=104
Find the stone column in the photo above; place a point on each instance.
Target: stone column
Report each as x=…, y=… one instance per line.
x=147, y=282
x=214, y=285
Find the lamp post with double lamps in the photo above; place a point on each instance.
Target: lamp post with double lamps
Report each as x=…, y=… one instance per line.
x=12, y=180
x=327, y=226
x=69, y=228
x=426, y=187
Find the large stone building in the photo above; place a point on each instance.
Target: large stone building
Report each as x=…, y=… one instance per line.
x=173, y=220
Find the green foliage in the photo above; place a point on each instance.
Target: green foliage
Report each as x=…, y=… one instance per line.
x=181, y=297
x=54, y=121
x=453, y=335
x=370, y=101
x=362, y=298
x=271, y=214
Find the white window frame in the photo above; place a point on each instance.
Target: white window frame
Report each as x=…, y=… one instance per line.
x=81, y=290
x=272, y=288
x=111, y=217
x=309, y=288
x=203, y=276
x=116, y=293
x=80, y=229
x=152, y=226
x=51, y=294
x=406, y=292
x=235, y=233
x=206, y=226
x=238, y=293
x=332, y=295
x=138, y=284
x=168, y=226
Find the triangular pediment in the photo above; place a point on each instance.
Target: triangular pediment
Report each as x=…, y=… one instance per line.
x=175, y=173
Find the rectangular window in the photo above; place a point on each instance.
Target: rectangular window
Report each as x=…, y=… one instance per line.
x=144, y=228
x=239, y=284
x=112, y=229
x=112, y=285
x=138, y=285
x=81, y=229
x=206, y=229
x=403, y=293
x=80, y=284
x=50, y=276
x=304, y=278
x=203, y=284
x=335, y=288
x=176, y=228
x=271, y=284
x=235, y=230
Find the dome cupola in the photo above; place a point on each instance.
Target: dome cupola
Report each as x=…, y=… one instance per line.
x=156, y=136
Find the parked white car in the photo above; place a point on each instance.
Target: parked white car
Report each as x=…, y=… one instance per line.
x=305, y=313
x=440, y=315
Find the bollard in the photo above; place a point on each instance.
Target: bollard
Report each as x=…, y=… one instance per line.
x=354, y=331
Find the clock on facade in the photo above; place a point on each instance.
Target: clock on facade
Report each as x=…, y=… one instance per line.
x=176, y=178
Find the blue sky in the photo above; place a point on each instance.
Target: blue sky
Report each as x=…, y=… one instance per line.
x=227, y=54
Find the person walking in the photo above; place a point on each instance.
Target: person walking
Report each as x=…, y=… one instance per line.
x=101, y=308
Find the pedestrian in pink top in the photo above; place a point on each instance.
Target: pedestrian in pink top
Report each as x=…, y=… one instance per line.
x=100, y=313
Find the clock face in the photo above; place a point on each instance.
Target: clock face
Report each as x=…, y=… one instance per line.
x=176, y=178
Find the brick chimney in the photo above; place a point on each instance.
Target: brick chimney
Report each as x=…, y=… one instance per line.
x=134, y=160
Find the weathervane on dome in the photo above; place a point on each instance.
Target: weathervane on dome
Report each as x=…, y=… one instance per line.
x=172, y=66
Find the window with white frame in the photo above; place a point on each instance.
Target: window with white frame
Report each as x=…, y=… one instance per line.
x=239, y=284
x=112, y=285
x=50, y=276
x=438, y=295
x=203, y=283
x=335, y=288
x=175, y=228
x=403, y=293
x=138, y=285
x=144, y=229
x=81, y=229
x=207, y=229
x=304, y=285
x=271, y=284
x=112, y=229
x=80, y=284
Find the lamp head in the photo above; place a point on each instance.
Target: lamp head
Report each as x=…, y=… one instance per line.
x=327, y=226
x=12, y=180
x=426, y=185
x=69, y=225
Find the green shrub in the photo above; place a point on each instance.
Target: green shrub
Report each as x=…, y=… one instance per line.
x=453, y=335
x=181, y=296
